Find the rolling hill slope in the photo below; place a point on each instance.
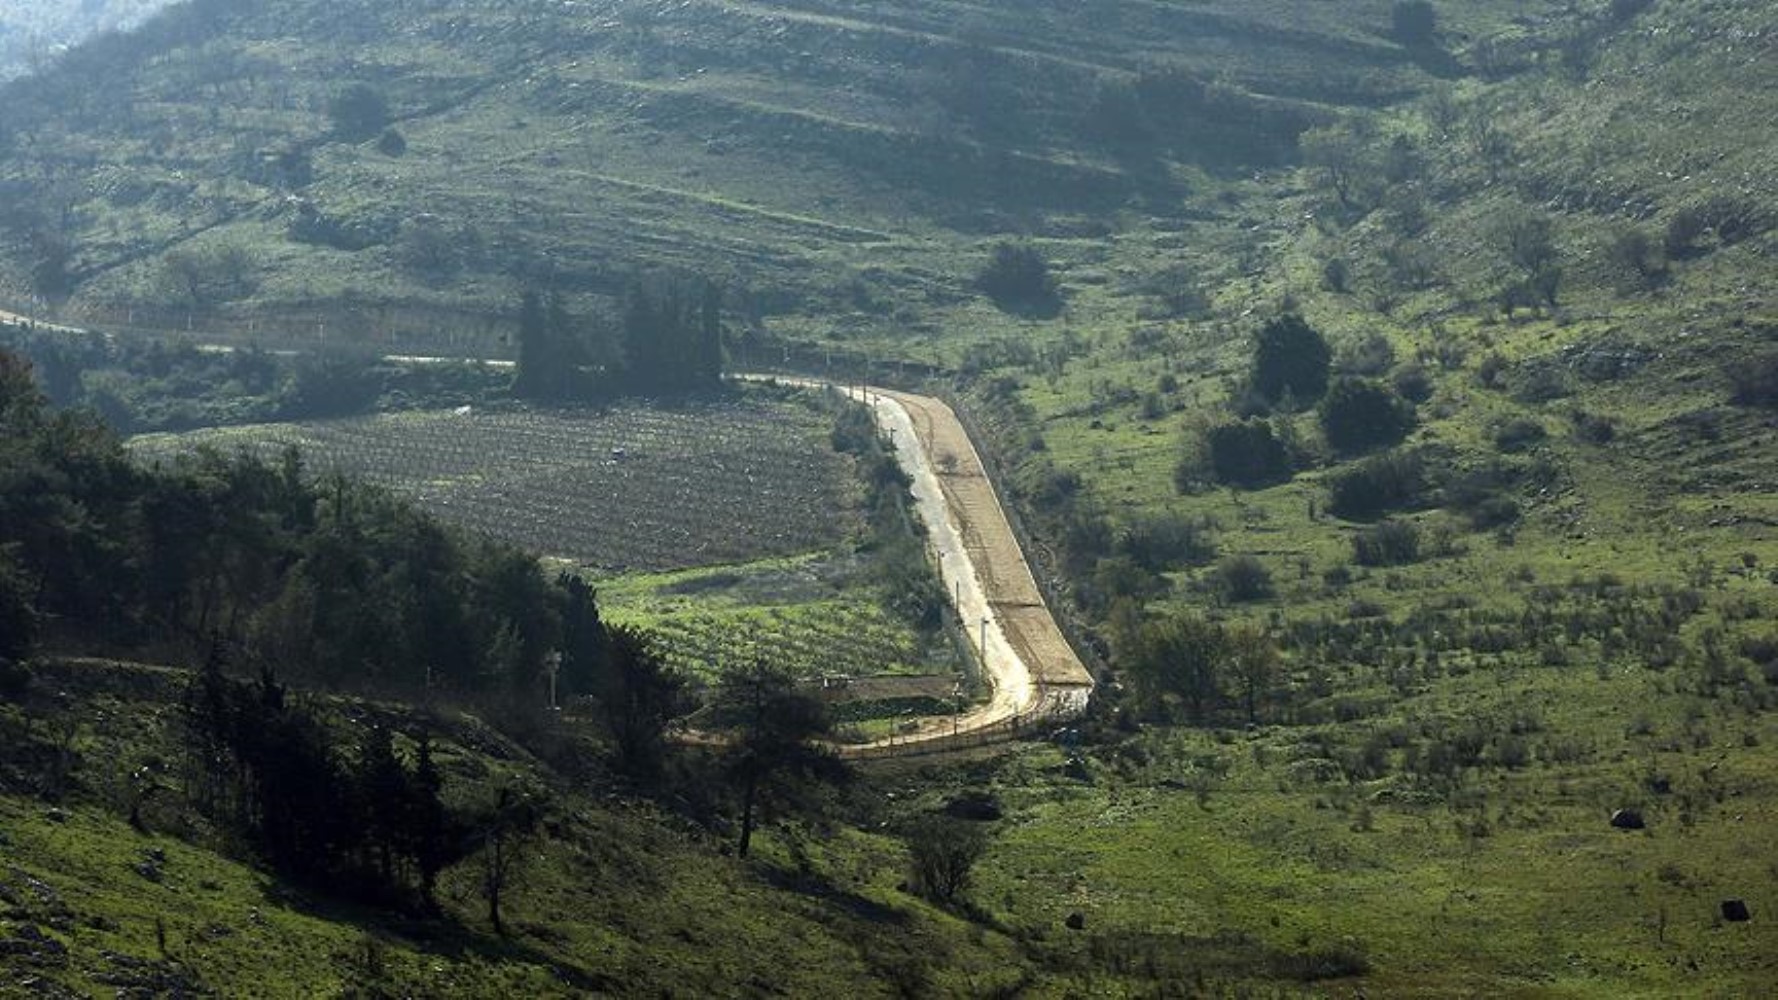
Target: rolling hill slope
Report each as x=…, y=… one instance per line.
x=787, y=147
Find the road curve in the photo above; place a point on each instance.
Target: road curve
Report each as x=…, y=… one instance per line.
x=1034, y=673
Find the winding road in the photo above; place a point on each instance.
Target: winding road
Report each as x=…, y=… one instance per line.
x=1034, y=673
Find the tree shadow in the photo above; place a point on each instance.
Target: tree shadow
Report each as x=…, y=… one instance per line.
x=441, y=936
x=821, y=888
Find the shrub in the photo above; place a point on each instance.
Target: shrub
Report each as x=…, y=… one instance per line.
x=1519, y=434
x=1376, y=485
x=1593, y=428
x=1493, y=512
x=1359, y=414
x=1165, y=541
x=1684, y=229
x=1243, y=578
x=1018, y=279
x=1390, y=543
x=1756, y=381
x=1246, y=453
x=1290, y=359
x=358, y=112
x=1413, y=383
x=1489, y=371
x=1373, y=355
x=943, y=852
x=392, y=143
x=1542, y=384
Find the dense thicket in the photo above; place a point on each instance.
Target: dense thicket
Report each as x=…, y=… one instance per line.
x=154, y=385
x=360, y=820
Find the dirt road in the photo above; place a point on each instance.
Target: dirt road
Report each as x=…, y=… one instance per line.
x=1033, y=671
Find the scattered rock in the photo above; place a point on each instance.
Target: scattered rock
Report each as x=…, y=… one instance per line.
x=56, y=815
x=1076, y=921
x=147, y=978
x=1735, y=911
x=30, y=946
x=1627, y=819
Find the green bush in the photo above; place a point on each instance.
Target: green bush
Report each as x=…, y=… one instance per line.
x=1377, y=485
x=1166, y=541
x=1243, y=578
x=1290, y=359
x=1242, y=453
x=1519, y=434
x=1389, y=543
x=1359, y=414
x=1018, y=279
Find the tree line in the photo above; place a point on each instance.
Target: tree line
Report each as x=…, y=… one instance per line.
x=273, y=578
x=666, y=339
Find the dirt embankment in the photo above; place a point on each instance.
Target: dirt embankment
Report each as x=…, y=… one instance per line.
x=1033, y=671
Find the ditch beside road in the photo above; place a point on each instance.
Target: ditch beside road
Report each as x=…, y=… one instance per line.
x=1035, y=675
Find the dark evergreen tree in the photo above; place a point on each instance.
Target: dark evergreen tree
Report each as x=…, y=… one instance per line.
x=1360, y=414
x=1290, y=360
x=427, y=830
x=639, y=695
x=671, y=332
x=1243, y=453
x=771, y=758
x=583, y=637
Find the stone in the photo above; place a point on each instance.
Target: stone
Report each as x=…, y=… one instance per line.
x=1735, y=911
x=1076, y=921
x=1627, y=819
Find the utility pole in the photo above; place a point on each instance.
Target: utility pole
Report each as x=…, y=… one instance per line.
x=552, y=664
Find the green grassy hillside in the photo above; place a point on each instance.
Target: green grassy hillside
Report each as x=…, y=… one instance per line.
x=613, y=896
x=826, y=158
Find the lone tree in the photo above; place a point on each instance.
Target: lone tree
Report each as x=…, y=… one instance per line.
x=770, y=760
x=1180, y=658
x=1018, y=279
x=1343, y=155
x=503, y=831
x=1290, y=359
x=943, y=852
x=1527, y=239
x=1253, y=663
x=358, y=112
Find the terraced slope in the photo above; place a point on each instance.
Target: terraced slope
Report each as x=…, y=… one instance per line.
x=799, y=149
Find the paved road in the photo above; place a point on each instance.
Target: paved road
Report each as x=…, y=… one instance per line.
x=1034, y=673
